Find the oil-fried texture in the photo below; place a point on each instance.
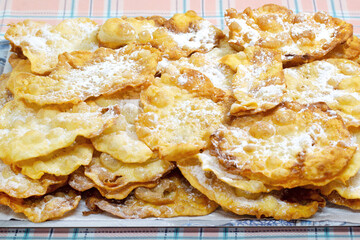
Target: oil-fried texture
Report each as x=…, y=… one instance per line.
x=120, y=140
x=184, y=34
x=80, y=182
x=59, y=163
x=336, y=198
x=118, y=32
x=80, y=75
x=41, y=209
x=20, y=186
x=42, y=43
x=211, y=163
x=293, y=145
x=208, y=64
x=179, y=114
x=5, y=94
x=28, y=131
x=348, y=50
x=172, y=197
x=301, y=37
x=279, y=205
x=333, y=81
x=111, y=174
x=259, y=83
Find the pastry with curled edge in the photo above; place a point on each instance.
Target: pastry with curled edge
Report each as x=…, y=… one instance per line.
x=42, y=43
x=172, y=197
x=300, y=38
x=258, y=84
x=83, y=74
x=290, y=146
x=285, y=204
x=40, y=209
x=179, y=36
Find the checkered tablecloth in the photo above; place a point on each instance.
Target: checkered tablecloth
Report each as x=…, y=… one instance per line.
x=54, y=11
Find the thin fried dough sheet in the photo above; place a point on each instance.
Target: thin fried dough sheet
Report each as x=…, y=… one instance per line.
x=348, y=50
x=28, y=131
x=59, y=163
x=300, y=38
x=259, y=83
x=286, y=205
x=208, y=64
x=42, y=43
x=80, y=182
x=293, y=145
x=111, y=174
x=120, y=140
x=333, y=81
x=5, y=94
x=81, y=75
x=18, y=185
x=40, y=209
x=180, y=113
x=172, y=197
x=336, y=198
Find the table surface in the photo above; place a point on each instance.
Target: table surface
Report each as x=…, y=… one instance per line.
x=54, y=11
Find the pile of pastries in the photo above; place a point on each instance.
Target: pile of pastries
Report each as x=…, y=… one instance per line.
x=153, y=117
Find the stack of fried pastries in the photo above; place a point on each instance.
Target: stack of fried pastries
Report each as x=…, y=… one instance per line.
x=153, y=117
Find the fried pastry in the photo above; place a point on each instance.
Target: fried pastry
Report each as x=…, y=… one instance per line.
x=5, y=94
x=279, y=205
x=333, y=81
x=348, y=50
x=179, y=114
x=111, y=174
x=300, y=38
x=184, y=34
x=258, y=84
x=211, y=163
x=80, y=182
x=50, y=206
x=336, y=198
x=118, y=32
x=120, y=140
x=42, y=43
x=172, y=197
x=29, y=131
x=59, y=163
x=209, y=64
x=18, y=185
x=81, y=75
x=293, y=145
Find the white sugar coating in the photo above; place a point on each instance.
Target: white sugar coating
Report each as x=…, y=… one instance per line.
x=202, y=38
x=318, y=82
x=252, y=33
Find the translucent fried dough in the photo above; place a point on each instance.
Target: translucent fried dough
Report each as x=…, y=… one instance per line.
x=336, y=198
x=18, y=185
x=120, y=140
x=80, y=182
x=59, y=163
x=293, y=145
x=184, y=34
x=50, y=206
x=172, y=197
x=211, y=163
x=348, y=50
x=110, y=174
x=80, y=75
x=42, y=43
x=179, y=114
x=259, y=83
x=28, y=131
x=301, y=37
x=118, y=32
x=333, y=81
x=273, y=204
